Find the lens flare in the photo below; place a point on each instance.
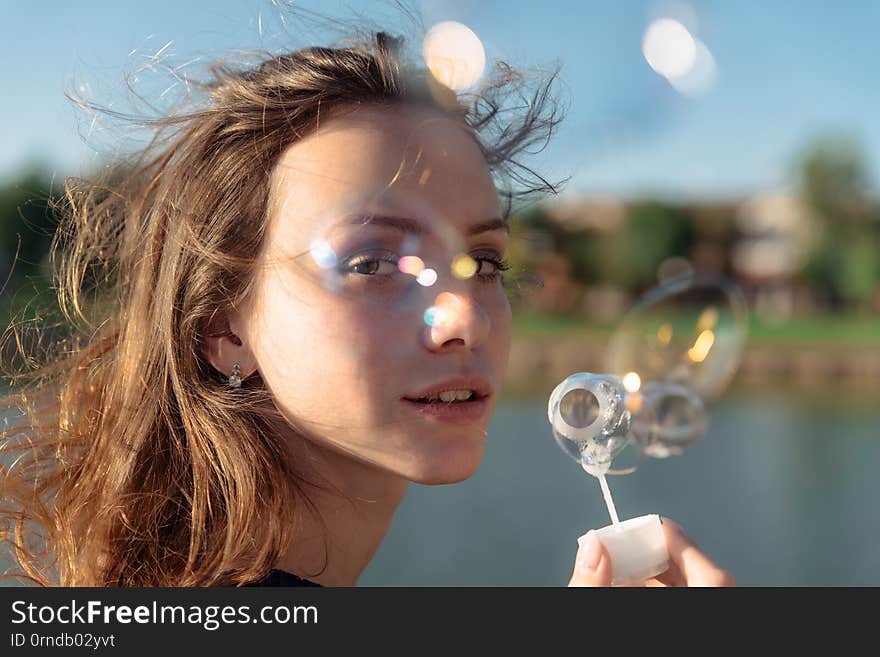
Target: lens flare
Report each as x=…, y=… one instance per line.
x=446, y=305
x=701, y=347
x=454, y=55
x=463, y=266
x=632, y=382
x=664, y=333
x=434, y=316
x=412, y=265
x=449, y=302
x=669, y=48
x=708, y=319
x=427, y=277
x=323, y=254
x=699, y=78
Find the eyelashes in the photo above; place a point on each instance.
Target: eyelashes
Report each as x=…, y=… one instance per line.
x=369, y=265
x=501, y=266
x=384, y=263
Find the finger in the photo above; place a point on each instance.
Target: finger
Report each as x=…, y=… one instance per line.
x=695, y=567
x=656, y=582
x=593, y=564
x=671, y=576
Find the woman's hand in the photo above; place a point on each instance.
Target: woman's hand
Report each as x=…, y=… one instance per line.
x=687, y=565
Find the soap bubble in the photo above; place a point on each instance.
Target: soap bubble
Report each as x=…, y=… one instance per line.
x=591, y=423
x=689, y=330
x=669, y=418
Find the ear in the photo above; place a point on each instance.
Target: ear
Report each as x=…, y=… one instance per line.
x=224, y=345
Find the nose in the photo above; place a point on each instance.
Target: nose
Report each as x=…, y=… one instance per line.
x=456, y=322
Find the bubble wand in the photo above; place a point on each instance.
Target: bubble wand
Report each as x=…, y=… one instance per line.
x=609, y=423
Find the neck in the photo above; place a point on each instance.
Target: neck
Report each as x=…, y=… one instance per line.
x=347, y=517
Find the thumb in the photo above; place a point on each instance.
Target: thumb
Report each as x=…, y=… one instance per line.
x=593, y=564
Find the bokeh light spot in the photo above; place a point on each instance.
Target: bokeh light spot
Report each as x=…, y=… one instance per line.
x=448, y=300
x=701, y=347
x=454, y=55
x=427, y=277
x=708, y=319
x=632, y=382
x=664, y=333
x=434, y=316
x=699, y=78
x=412, y=265
x=463, y=266
x=669, y=48
x=322, y=253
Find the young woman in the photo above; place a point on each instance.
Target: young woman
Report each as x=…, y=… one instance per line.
x=267, y=302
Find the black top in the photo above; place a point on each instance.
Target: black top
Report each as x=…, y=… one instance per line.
x=277, y=577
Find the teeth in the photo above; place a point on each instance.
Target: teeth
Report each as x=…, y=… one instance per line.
x=452, y=395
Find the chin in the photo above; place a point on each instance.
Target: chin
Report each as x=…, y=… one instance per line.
x=448, y=464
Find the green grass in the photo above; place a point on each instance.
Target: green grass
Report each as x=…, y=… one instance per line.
x=553, y=324
x=825, y=329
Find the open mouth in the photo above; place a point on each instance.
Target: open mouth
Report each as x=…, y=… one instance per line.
x=451, y=397
x=462, y=409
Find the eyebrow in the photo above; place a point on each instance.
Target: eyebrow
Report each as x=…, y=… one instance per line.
x=405, y=225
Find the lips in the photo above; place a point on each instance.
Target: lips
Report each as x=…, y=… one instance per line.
x=479, y=387
x=459, y=412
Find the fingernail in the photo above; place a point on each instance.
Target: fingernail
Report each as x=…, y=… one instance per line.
x=590, y=552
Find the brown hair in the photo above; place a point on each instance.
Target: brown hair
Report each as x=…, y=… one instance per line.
x=128, y=461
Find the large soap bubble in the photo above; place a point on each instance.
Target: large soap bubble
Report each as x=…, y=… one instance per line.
x=690, y=330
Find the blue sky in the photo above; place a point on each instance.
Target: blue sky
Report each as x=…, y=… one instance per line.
x=788, y=73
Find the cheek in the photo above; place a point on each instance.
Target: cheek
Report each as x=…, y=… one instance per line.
x=324, y=354
x=502, y=327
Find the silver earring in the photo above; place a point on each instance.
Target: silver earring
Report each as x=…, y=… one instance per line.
x=235, y=377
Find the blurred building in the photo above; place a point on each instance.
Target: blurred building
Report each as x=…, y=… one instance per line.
x=600, y=213
x=597, y=301
x=774, y=239
x=761, y=242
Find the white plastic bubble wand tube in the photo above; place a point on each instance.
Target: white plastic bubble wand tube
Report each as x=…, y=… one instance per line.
x=606, y=493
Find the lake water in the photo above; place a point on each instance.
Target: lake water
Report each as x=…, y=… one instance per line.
x=783, y=490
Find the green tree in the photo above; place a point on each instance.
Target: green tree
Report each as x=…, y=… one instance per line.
x=652, y=232
x=27, y=225
x=845, y=261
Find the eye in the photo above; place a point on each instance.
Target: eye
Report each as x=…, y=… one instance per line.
x=491, y=266
x=385, y=263
x=382, y=263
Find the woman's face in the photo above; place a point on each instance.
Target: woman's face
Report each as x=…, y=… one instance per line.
x=340, y=333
